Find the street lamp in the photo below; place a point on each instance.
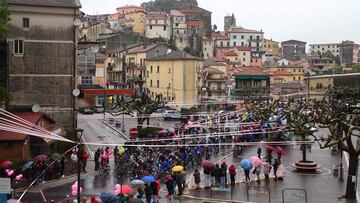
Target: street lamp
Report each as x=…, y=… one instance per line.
x=78, y=131
x=308, y=85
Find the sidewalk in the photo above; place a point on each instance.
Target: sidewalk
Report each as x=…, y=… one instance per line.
x=320, y=188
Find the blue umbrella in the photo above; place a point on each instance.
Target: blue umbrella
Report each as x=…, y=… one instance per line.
x=246, y=164
x=107, y=197
x=26, y=166
x=148, y=179
x=137, y=182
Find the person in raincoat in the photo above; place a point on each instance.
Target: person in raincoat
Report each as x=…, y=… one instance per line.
x=232, y=172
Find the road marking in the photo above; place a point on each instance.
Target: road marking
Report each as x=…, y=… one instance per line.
x=347, y=163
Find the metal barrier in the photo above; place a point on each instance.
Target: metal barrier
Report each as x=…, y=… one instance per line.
x=293, y=189
x=258, y=189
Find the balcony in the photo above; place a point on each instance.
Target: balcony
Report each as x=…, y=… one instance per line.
x=254, y=90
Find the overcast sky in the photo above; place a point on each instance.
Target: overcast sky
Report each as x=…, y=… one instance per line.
x=313, y=21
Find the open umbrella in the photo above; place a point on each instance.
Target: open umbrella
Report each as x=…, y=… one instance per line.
x=125, y=189
x=41, y=157
x=26, y=166
x=280, y=150
x=107, y=197
x=55, y=156
x=177, y=168
x=148, y=179
x=270, y=148
x=208, y=165
x=5, y=164
x=163, y=131
x=137, y=182
x=246, y=164
x=256, y=161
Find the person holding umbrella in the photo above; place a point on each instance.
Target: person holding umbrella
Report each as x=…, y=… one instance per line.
x=269, y=150
x=246, y=165
x=280, y=153
x=232, y=172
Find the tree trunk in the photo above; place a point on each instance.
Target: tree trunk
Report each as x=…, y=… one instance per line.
x=304, y=152
x=350, y=185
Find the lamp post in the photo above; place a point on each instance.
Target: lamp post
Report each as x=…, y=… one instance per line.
x=308, y=85
x=77, y=140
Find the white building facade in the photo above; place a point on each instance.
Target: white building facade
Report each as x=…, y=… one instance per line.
x=158, y=24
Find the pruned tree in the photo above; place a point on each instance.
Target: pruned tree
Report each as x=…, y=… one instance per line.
x=140, y=105
x=337, y=114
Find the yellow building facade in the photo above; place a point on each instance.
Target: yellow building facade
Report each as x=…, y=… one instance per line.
x=174, y=77
x=136, y=20
x=298, y=72
x=271, y=47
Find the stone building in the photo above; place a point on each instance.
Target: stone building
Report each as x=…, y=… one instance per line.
x=349, y=53
x=333, y=48
x=293, y=49
x=179, y=29
x=41, y=53
x=194, y=13
x=158, y=25
x=229, y=22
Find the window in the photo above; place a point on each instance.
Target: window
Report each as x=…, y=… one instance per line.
x=205, y=48
x=86, y=80
x=228, y=44
x=151, y=69
x=177, y=31
x=249, y=44
x=258, y=38
x=181, y=39
x=165, y=28
x=176, y=24
x=234, y=36
x=184, y=31
x=250, y=37
x=243, y=59
x=158, y=69
x=234, y=44
x=235, y=58
x=242, y=43
x=299, y=78
x=244, y=53
x=169, y=85
x=99, y=101
x=99, y=72
x=221, y=44
x=150, y=27
x=169, y=70
x=18, y=47
x=157, y=83
x=26, y=23
x=150, y=83
x=319, y=86
x=242, y=37
x=294, y=78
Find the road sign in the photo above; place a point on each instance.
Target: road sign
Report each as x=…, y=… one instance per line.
x=5, y=186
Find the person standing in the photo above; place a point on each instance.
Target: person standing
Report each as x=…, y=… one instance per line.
x=207, y=178
x=257, y=172
x=222, y=176
x=232, y=172
x=170, y=187
x=84, y=159
x=224, y=166
x=266, y=171
x=96, y=159
x=197, y=178
x=148, y=193
x=217, y=174
x=259, y=152
x=179, y=182
x=247, y=175
x=275, y=165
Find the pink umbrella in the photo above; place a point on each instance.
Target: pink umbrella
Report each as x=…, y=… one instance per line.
x=280, y=151
x=163, y=131
x=256, y=161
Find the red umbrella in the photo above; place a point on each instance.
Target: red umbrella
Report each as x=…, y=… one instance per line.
x=208, y=165
x=280, y=150
x=125, y=189
x=270, y=148
x=41, y=157
x=5, y=164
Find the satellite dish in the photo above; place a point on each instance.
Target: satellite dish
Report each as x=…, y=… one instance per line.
x=95, y=49
x=76, y=92
x=168, y=51
x=36, y=108
x=77, y=22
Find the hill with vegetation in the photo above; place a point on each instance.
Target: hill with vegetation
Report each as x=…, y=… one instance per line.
x=167, y=5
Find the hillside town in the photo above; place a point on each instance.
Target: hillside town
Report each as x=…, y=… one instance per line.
x=156, y=103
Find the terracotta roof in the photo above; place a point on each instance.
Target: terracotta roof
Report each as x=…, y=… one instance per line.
x=193, y=9
x=217, y=34
x=243, y=48
x=278, y=78
x=196, y=23
x=223, y=38
x=206, y=39
x=29, y=116
x=142, y=49
x=213, y=71
x=52, y=3
x=174, y=55
x=130, y=6
x=282, y=73
x=251, y=71
x=243, y=30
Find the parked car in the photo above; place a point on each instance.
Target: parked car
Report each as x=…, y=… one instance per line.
x=86, y=111
x=98, y=109
x=171, y=114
